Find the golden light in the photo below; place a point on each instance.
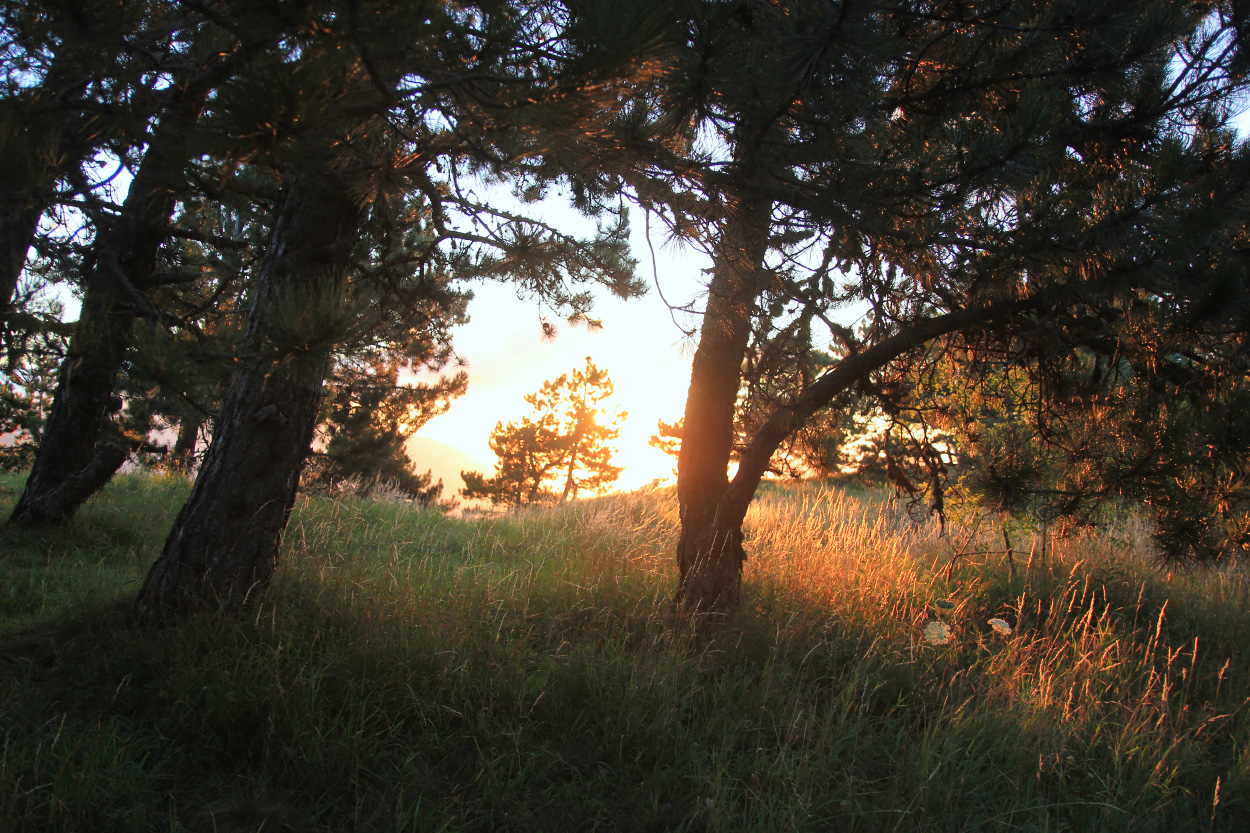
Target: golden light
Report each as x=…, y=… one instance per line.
x=508, y=359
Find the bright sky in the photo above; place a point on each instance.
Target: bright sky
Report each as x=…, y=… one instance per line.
x=639, y=345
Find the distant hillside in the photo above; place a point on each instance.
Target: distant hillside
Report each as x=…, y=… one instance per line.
x=446, y=461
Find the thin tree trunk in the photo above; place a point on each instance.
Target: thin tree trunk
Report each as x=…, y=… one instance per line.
x=68, y=467
x=225, y=543
x=183, y=454
x=570, y=482
x=709, y=552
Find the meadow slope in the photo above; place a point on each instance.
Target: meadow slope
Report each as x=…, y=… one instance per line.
x=410, y=671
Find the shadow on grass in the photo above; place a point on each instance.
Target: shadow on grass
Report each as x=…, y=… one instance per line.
x=528, y=676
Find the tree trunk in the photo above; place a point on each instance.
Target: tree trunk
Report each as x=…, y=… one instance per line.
x=18, y=224
x=225, y=543
x=570, y=482
x=183, y=455
x=711, y=554
x=709, y=551
x=124, y=261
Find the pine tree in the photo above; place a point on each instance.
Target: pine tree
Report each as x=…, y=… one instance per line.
x=225, y=541
x=73, y=72
x=369, y=418
x=404, y=101
x=560, y=449
x=987, y=178
x=118, y=277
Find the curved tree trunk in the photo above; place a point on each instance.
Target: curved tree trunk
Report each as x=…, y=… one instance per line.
x=709, y=551
x=68, y=466
x=225, y=543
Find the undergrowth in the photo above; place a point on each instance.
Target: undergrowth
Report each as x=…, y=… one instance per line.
x=411, y=671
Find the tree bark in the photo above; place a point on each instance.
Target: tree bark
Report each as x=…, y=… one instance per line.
x=124, y=261
x=225, y=543
x=183, y=454
x=709, y=552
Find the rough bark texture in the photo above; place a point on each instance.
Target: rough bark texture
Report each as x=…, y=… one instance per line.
x=183, y=455
x=709, y=552
x=225, y=543
x=124, y=261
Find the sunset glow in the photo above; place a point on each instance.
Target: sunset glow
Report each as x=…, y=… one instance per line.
x=639, y=346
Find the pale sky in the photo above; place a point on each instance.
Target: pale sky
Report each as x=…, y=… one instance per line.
x=639, y=346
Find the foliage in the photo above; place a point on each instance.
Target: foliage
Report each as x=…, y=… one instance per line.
x=255, y=101
x=369, y=418
x=667, y=438
x=563, y=445
x=1021, y=183
x=27, y=383
x=1064, y=445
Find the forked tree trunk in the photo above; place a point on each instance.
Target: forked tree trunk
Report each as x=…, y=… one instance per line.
x=225, y=543
x=709, y=551
x=68, y=466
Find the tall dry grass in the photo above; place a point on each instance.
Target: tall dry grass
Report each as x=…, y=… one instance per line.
x=526, y=672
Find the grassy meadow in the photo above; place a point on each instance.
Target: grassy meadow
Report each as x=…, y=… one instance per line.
x=410, y=671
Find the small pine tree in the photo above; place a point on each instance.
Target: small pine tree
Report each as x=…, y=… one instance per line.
x=559, y=450
x=369, y=418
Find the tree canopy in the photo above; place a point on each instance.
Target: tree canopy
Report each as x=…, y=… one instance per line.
x=1023, y=184
x=1034, y=209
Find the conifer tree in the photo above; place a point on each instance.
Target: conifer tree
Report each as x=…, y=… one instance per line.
x=403, y=101
x=560, y=449
x=984, y=177
x=119, y=274
x=369, y=418
x=73, y=85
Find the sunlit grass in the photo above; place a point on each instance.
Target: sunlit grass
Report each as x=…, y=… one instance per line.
x=413, y=671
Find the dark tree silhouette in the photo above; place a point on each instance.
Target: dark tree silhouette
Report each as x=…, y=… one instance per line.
x=1018, y=181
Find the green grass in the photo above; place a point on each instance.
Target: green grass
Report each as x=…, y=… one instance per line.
x=409, y=671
